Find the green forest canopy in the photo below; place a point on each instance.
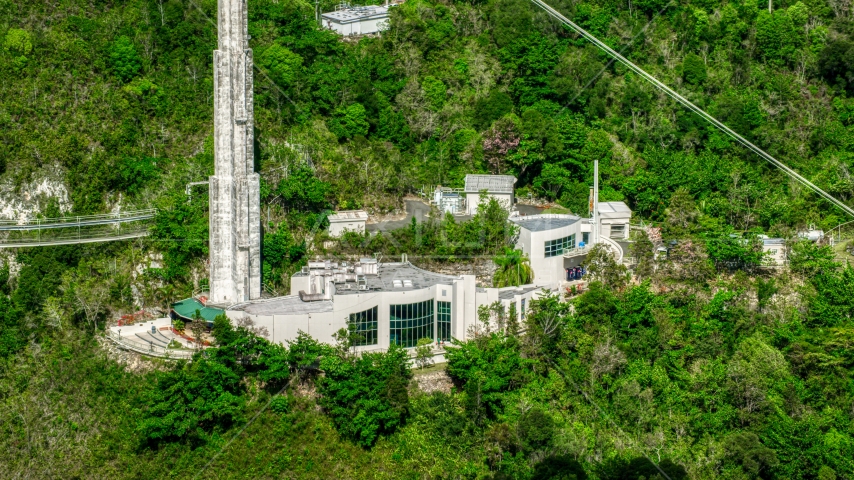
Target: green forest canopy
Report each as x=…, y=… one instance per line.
x=714, y=370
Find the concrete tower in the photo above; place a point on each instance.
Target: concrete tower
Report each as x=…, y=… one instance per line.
x=235, y=212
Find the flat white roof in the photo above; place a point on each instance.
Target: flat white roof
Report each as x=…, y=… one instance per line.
x=348, y=216
x=356, y=14
x=490, y=183
x=614, y=210
x=545, y=221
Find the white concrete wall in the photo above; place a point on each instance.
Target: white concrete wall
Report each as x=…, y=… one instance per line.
x=473, y=200
x=362, y=27
x=776, y=255
x=322, y=326
x=336, y=229
x=547, y=271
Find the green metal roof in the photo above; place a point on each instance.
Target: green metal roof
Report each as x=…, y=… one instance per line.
x=186, y=308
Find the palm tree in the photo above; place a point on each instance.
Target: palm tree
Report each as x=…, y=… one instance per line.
x=514, y=269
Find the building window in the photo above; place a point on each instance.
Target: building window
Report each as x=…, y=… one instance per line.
x=523, y=309
x=411, y=322
x=557, y=247
x=618, y=231
x=366, y=326
x=443, y=321
x=585, y=237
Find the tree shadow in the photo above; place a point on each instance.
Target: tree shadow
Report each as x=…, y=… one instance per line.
x=559, y=467
x=641, y=467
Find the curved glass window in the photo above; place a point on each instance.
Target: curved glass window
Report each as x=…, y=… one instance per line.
x=443, y=321
x=557, y=247
x=411, y=322
x=366, y=326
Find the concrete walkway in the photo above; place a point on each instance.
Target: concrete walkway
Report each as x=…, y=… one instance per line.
x=141, y=332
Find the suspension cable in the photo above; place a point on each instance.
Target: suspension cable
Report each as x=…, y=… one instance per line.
x=679, y=98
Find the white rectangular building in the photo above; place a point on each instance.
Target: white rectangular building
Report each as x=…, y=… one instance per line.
x=775, y=252
x=499, y=187
x=347, y=221
x=357, y=20
x=614, y=218
x=386, y=302
x=558, y=243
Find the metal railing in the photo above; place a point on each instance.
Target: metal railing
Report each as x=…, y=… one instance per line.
x=71, y=239
x=77, y=229
x=575, y=252
x=77, y=221
x=150, y=349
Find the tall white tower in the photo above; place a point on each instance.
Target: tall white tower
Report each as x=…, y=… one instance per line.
x=235, y=211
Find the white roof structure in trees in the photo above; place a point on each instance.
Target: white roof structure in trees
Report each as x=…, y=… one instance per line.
x=614, y=210
x=490, y=183
x=348, y=216
x=356, y=14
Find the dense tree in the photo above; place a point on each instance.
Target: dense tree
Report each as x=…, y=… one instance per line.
x=124, y=59
x=366, y=396
x=514, y=269
x=709, y=372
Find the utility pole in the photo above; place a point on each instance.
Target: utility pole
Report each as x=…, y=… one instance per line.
x=595, y=202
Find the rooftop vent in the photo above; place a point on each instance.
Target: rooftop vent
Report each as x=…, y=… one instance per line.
x=407, y=283
x=398, y=284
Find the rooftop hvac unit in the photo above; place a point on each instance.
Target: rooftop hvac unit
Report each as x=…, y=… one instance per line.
x=363, y=287
x=407, y=283
x=397, y=284
x=369, y=266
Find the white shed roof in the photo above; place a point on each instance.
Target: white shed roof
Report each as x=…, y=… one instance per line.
x=490, y=183
x=356, y=14
x=614, y=210
x=349, y=216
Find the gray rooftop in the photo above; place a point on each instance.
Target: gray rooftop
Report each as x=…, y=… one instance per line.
x=614, y=210
x=396, y=277
x=509, y=293
x=290, y=305
x=544, y=222
x=348, y=215
x=354, y=14
x=490, y=183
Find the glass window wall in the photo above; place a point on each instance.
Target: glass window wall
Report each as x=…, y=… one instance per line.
x=411, y=322
x=443, y=321
x=365, y=326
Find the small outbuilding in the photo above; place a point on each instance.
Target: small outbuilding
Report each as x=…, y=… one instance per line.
x=614, y=218
x=499, y=187
x=347, y=220
x=357, y=20
x=775, y=252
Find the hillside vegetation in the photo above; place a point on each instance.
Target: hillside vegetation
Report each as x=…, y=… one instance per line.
x=702, y=364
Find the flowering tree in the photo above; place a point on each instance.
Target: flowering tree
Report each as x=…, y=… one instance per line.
x=498, y=141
